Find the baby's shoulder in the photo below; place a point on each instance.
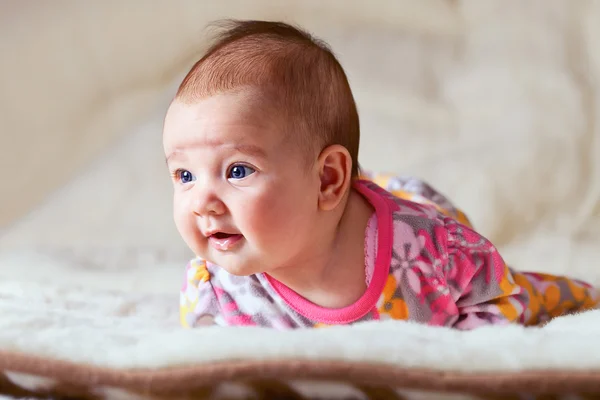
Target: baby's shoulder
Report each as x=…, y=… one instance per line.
x=415, y=197
x=406, y=206
x=417, y=228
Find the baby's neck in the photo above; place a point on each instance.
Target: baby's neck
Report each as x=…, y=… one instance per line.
x=334, y=276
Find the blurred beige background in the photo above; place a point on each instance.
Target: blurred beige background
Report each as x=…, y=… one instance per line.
x=497, y=103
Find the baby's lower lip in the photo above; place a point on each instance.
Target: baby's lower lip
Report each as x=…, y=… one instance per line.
x=226, y=243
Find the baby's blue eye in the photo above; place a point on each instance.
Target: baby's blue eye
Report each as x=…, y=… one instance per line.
x=239, y=172
x=185, y=176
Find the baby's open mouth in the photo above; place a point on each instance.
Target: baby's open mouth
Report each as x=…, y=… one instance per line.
x=224, y=241
x=221, y=235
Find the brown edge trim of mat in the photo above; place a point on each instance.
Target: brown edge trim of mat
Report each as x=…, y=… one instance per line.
x=172, y=380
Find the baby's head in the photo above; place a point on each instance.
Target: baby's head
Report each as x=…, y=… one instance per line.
x=262, y=144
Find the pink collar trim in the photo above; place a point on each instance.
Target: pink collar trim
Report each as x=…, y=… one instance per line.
x=369, y=299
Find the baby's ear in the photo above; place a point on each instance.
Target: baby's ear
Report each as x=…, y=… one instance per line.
x=335, y=173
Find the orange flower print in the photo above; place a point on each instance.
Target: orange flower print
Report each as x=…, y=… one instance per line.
x=578, y=298
x=583, y=294
x=551, y=296
x=390, y=306
x=532, y=313
x=202, y=274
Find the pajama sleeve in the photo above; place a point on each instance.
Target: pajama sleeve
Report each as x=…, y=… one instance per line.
x=480, y=283
x=198, y=303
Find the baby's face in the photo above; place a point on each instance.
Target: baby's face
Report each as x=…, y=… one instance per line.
x=244, y=196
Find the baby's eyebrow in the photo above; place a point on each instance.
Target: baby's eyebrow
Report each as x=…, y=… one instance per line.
x=172, y=155
x=248, y=149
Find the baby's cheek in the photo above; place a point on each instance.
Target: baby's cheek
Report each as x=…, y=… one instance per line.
x=181, y=222
x=185, y=223
x=269, y=217
x=179, y=206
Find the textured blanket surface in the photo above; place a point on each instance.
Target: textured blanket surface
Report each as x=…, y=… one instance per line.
x=90, y=343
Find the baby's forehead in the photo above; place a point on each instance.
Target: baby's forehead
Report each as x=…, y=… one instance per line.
x=241, y=106
x=223, y=118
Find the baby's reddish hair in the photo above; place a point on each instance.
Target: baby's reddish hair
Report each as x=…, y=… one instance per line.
x=293, y=71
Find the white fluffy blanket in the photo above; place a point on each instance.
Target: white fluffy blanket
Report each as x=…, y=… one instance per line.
x=54, y=339
x=117, y=330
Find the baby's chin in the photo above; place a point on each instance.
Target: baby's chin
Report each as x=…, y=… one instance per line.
x=240, y=270
x=235, y=267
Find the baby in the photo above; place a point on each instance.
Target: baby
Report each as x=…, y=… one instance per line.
x=262, y=141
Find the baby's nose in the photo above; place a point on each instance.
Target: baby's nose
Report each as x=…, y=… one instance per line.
x=206, y=203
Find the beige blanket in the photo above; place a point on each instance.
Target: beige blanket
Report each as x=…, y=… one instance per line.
x=99, y=344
